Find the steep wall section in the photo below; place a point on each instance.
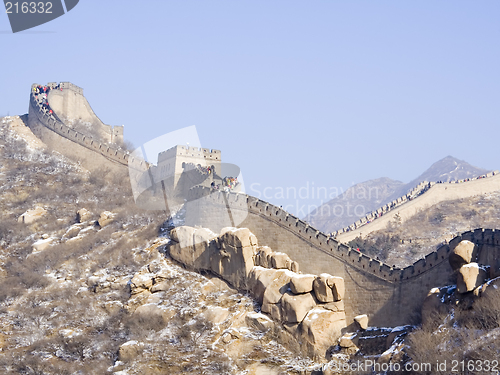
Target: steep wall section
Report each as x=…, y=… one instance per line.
x=390, y=296
x=435, y=194
x=52, y=131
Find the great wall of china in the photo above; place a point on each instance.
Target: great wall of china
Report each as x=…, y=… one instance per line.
x=422, y=196
x=390, y=296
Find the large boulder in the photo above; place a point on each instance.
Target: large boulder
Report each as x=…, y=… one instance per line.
x=470, y=276
x=362, y=321
x=32, y=215
x=105, y=218
x=338, y=287
x=328, y=288
x=182, y=246
x=294, y=308
x=194, y=247
x=349, y=340
x=183, y=235
x=320, y=330
x=259, y=279
x=235, y=259
x=274, y=292
x=280, y=261
x=462, y=254
x=141, y=281
x=302, y=283
x=83, y=215
x=258, y=321
x=154, y=315
x=263, y=252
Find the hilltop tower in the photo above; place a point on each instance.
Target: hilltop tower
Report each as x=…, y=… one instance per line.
x=62, y=118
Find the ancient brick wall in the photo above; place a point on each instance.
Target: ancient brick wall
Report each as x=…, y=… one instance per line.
x=390, y=296
x=52, y=130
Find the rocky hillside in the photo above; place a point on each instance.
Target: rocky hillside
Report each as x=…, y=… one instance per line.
x=402, y=244
x=86, y=286
x=367, y=196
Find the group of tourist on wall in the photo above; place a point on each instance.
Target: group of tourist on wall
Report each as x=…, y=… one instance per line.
x=41, y=93
x=416, y=193
x=228, y=184
x=205, y=170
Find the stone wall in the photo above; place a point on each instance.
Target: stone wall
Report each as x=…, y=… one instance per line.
x=310, y=307
x=390, y=296
x=52, y=130
x=346, y=234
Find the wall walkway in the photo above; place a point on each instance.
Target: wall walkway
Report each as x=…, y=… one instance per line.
x=390, y=296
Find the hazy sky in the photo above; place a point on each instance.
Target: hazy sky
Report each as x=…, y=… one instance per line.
x=323, y=93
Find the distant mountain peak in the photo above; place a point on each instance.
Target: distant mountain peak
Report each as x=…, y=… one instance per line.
x=335, y=214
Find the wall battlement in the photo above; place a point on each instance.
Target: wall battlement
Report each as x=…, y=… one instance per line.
x=392, y=294
x=39, y=113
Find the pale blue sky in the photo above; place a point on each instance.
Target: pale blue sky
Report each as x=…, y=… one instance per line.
x=294, y=92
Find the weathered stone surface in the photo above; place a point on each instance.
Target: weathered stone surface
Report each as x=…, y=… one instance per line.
x=241, y=237
x=105, y=218
x=259, y=321
x=334, y=306
x=280, y=260
x=362, y=321
x=141, y=281
x=72, y=232
x=216, y=314
x=470, y=276
x=328, y=288
x=41, y=245
x=349, y=340
x=277, y=287
x=161, y=286
x=320, y=330
x=294, y=307
x=183, y=235
x=295, y=267
x=262, y=255
x=302, y=283
x=321, y=288
x=462, y=254
x=235, y=258
x=273, y=309
x=32, y=215
x=130, y=350
x=153, y=313
x=194, y=248
x=258, y=280
x=337, y=286
x=83, y=215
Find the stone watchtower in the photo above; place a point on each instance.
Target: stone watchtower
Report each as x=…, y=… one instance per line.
x=193, y=162
x=62, y=118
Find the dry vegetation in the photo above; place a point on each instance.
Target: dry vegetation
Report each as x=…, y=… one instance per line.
x=470, y=332
x=68, y=309
x=402, y=244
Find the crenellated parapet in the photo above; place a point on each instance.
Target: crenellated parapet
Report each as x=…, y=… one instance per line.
x=323, y=242
x=48, y=118
x=328, y=244
x=389, y=295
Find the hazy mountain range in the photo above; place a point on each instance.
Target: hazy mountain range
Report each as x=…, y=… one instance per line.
x=367, y=196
